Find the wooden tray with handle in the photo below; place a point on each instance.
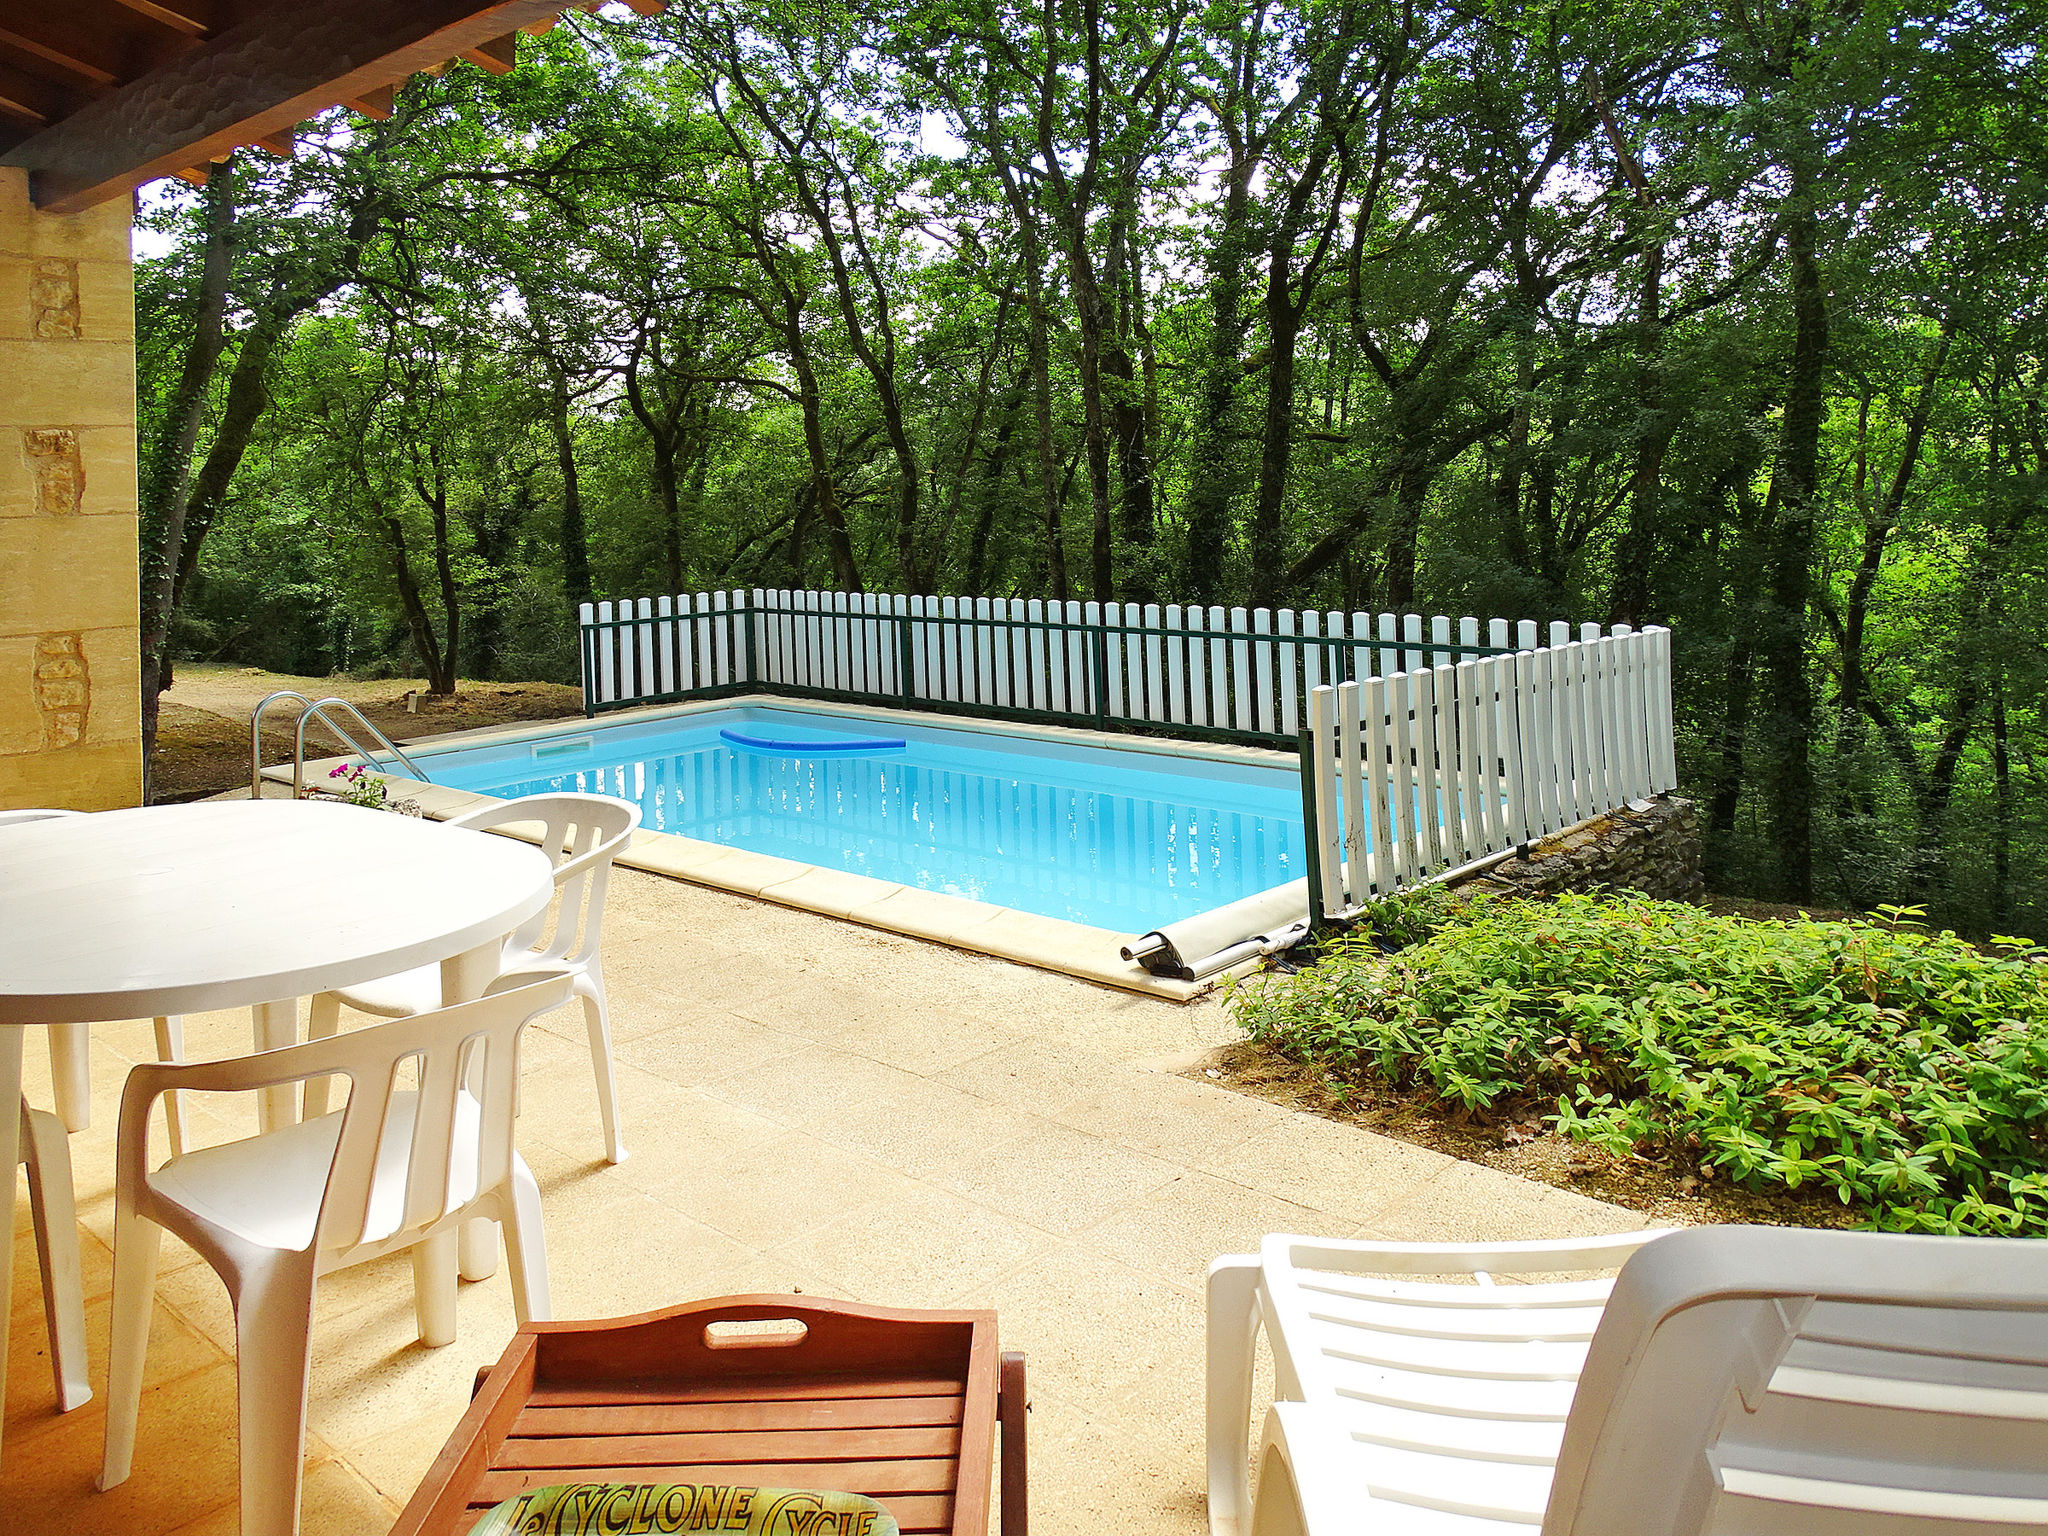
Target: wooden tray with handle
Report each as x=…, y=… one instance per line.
x=789, y=1392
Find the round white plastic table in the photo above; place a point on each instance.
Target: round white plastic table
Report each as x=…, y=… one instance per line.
x=228, y=904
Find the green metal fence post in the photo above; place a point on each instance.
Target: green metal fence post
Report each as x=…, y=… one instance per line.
x=1098, y=664
x=1311, y=833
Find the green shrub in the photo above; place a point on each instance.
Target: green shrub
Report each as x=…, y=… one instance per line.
x=1906, y=1072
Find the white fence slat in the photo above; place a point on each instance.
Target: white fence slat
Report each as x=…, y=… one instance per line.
x=1038, y=680
x=1477, y=786
x=1407, y=844
x=846, y=640
x=1155, y=705
x=1497, y=634
x=1507, y=749
x=984, y=633
x=1311, y=654
x=1583, y=713
x=1242, y=715
x=601, y=643
x=1380, y=780
x=1429, y=817
x=1090, y=615
x=1217, y=622
x=880, y=659
x=1351, y=775
x=1007, y=642
x=1114, y=652
x=1630, y=758
x=1468, y=632
x=1262, y=687
x=644, y=679
x=920, y=648
x=1286, y=658
x=1412, y=661
x=665, y=644
x=1440, y=633
x=1174, y=668
x=1327, y=851
x=1613, y=781
x=949, y=642
x=1663, y=763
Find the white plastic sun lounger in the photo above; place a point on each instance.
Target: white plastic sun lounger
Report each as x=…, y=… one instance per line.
x=1740, y=1381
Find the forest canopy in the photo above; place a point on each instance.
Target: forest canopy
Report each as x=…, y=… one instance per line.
x=1726, y=317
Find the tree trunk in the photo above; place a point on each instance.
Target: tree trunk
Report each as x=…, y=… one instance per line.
x=1794, y=481
x=575, y=537
x=166, y=481
x=1216, y=474
x=440, y=675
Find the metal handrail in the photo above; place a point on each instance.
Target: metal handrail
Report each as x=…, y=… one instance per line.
x=316, y=709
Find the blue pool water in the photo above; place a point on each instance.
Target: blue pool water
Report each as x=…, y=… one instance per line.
x=1118, y=839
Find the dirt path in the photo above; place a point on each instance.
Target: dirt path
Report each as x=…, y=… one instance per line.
x=203, y=731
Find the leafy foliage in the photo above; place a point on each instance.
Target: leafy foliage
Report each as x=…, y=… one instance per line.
x=1728, y=318
x=1905, y=1072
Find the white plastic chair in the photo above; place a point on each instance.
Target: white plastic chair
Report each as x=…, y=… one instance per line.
x=394, y=1168
x=1742, y=1381
x=71, y=1044
x=583, y=835
x=1457, y=1387
x=46, y=1152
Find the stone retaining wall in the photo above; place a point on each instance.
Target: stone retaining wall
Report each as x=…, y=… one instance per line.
x=1655, y=850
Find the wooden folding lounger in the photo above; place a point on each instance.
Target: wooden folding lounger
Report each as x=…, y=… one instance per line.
x=773, y=1390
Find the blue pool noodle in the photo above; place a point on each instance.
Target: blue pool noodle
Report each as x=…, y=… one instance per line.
x=805, y=748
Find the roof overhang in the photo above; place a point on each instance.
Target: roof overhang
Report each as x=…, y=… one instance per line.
x=101, y=96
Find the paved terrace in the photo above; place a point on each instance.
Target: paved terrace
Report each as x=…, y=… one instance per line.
x=809, y=1105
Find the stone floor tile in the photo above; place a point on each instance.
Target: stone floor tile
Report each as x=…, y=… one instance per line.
x=1058, y=1179
x=1177, y=1229
x=927, y=1248
x=1328, y=1166
x=704, y=1048
x=761, y=1192
x=1092, y=1326
x=336, y=1500
x=1043, y=1076
x=1469, y=1203
x=1174, y=1116
x=184, y=1465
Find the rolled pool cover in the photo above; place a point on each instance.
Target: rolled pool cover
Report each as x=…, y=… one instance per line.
x=1202, y=945
x=806, y=748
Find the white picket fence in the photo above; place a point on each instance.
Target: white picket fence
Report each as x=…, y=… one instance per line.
x=1242, y=673
x=1424, y=771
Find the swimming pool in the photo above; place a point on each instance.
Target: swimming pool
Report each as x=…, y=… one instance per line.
x=1119, y=838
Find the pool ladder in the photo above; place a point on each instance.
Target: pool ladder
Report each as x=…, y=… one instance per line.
x=317, y=709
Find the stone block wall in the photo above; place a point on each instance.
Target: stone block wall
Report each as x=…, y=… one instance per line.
x=70, y=685
x=1655, y=850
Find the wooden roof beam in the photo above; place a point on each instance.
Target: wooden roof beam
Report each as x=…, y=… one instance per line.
x=31, y=99
x=500, y=56
x=280, y=66
x=376, y=105
x=194, y=18
x=82, y=54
